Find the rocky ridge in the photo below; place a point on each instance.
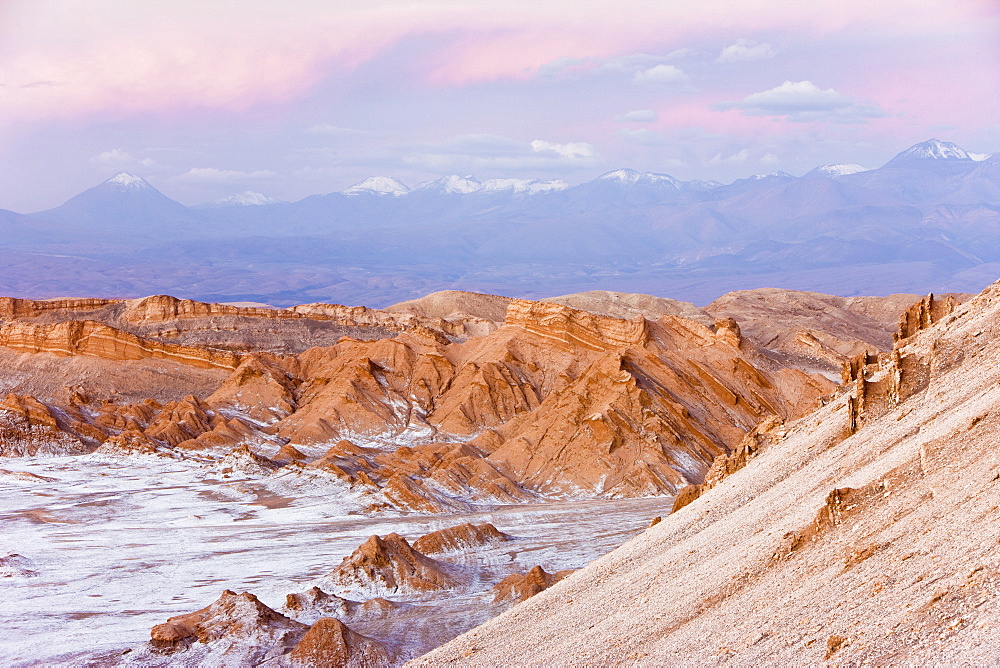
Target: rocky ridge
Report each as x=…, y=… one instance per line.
x=553, y=401
x=862, y=533
x=421, y=421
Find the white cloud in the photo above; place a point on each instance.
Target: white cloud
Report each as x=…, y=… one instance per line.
x=770, y=159
x=643, y=65
x=739, y=157
x=471, y=153
x=803, y=101
x=660, y=74
x=745, y=49
x=572, y=150
x=638, y=116
x=118, y=157
x=213, y=175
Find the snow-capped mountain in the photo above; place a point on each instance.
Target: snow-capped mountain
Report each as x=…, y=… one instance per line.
x=452, y=185
x=124, y=203
x=930, y=150
x=523, y=186
x=927, y=220
x=770, y=176
x=632, y=177
x=123, y=181
x=466, y=185
x=378, y=185
x=246, y=198
x=837, y=170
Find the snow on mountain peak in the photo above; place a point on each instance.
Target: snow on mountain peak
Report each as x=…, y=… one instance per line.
x=247, y=198
x=936, y=150
x=769, y=176
x=840, y=169
x=631, y=176
x=524, y=186
x=126, y=181
x=453, y=184
x=378, y=185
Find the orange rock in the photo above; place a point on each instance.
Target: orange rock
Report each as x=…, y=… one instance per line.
x=462, y=537
x=522, y=586
x=95, y=339
x=239, y=618
x=329, y=642
x=391, y=564
x=262, y=391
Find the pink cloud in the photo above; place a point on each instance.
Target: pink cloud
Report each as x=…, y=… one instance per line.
x=71, y=59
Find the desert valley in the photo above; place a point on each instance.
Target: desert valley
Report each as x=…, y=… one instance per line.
x=367, y=484
x=477, y=333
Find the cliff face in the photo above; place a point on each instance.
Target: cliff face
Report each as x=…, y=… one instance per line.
x=13, y=308
x=569, y=329
x=859, y=534
x=557, y=401
x=813, y=331
x=400, y=412
x=85, y=337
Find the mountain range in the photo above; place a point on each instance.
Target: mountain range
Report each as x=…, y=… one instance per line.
x=929, y=219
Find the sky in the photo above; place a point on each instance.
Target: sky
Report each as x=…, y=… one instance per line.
x=206, y=99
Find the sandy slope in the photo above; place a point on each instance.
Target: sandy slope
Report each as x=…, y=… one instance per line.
x=775, y=566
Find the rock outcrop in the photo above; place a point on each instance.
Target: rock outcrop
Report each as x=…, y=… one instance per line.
x=569, y=328
x=329, y=642
x=519, y=587
x=462, y=537
x=390, y=565
x=86, y=337
x=820, y=543
x=12, y=308
x=235, y=629
x=17, y=566
x=28, y=428
x=238, y=629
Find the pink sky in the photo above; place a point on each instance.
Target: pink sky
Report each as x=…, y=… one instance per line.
x=303, y=97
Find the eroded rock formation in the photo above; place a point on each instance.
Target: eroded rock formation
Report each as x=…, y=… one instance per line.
x=390, y=565
x=820, y=543
x=556, y=401
x=519, y=587
x=462, y=537
x=237, y=628
x=329, y=642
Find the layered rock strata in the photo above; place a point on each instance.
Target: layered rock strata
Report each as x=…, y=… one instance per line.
x=872, y=545
x=555, y=402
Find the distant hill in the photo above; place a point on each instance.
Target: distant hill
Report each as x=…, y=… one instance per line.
x=929, y=219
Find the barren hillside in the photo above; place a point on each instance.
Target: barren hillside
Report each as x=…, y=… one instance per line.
x=863, y=533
